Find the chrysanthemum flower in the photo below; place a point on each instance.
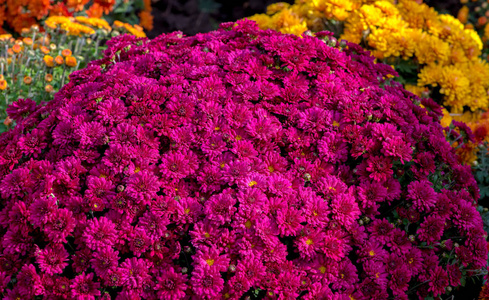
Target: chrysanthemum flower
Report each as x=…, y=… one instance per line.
x=171, y=285
x=99, y=233
x=52, y=260
x=83, y=287
x=60, y=224
x=207, y=281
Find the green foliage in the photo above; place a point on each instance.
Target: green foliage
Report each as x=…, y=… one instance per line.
x=209, y=6
x=125, y=11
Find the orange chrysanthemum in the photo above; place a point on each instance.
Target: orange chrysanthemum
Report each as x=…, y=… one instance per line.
x=77, y=5
x=71, y=61
x=146, y=20
x=95, y=11
x=49, y=60
x=66, y=52
x=59, y=60
x=39, y=8
x=59, y=9
x=106, y=5
x=21, y=21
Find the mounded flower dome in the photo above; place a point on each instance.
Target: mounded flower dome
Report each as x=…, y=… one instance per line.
x=234, y=163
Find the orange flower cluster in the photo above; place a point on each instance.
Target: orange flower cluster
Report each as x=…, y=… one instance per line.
x=19, y=14
x=145, y=16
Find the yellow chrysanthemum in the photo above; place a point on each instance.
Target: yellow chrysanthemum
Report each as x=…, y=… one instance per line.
x=277, y=7
x=55, y=21
x=447, y=119
x=417, y=90
x=135, y=30
x=77, y=29
x=431, y=49
x=455, y=86
x=439, y=45
x=69, y=25
x=262, y=20
x=94, y=22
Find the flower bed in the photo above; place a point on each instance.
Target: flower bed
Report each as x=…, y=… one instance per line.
x=238, y=162
x=15, y=15
x=39, y=64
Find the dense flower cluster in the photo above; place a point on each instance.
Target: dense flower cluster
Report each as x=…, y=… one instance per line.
x=433, y=52
x=80, y=26
x=38, y=64
x=19, y=14
x=237, y=162
x=475, y=14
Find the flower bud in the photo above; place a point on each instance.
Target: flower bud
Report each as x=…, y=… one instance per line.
x=59, y=60
x=16, y=48
x=3, y=85
x=66, y=52
x=48, y=60
x=7, y=121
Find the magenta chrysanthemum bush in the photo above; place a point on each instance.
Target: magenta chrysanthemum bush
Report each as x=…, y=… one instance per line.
x=234, y=163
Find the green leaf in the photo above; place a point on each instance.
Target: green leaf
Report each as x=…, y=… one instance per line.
x=256, y=292
x=484, y=191
x=463, y=281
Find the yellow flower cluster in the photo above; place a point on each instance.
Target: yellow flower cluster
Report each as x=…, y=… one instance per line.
x=82, y=26
x=442, y=52
x=94, y=22
x=69, y=25
x=135, y=30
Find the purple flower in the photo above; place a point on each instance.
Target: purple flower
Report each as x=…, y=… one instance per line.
x=206, y=281
x=21, y=108
x=422, y=195
x=104, y=261
x=52, y=260
x=84, y=287
x=99, y=233
x=171, y=285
